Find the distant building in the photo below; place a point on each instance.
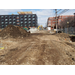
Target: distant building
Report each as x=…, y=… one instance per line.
x=24, y=19
x=52, y=20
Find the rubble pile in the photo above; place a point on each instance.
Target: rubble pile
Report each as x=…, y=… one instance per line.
x=12, y=31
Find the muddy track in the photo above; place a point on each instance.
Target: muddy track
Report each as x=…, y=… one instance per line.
x=36, y=50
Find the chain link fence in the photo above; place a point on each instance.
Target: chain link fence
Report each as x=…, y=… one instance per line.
x=69, y=30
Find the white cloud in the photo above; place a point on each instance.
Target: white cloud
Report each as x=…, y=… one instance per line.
x=7, y=11
x=43, y=15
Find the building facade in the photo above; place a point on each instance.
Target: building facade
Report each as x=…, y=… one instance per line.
x=52, y=20
x=23, y=20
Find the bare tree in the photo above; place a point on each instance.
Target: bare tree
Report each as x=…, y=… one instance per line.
x=67, y=21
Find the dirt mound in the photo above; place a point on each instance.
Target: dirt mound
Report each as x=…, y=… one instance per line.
x=62, y=35
x=12, y=31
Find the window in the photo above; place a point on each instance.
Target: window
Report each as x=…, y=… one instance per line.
x=33, y=24
x=10, y=22
x=21, y=19
x=53, y=21
x=49, y=24
x=59, y=20
x=29, y=15
x=17, y=23
x=21, y=16
x=29, y=19
x=49, y=21
x=33, y=21
x=33, y=15
x=6, y=22
x=60, y=17
x=2, y=25
x=25, y=22
x=29, y=22
x=14, y=22
x=17, y=20
x=6, y=19
x=33, y=18
x=14, y=19
x=5, y=25
x=21, y=25
x=2, y=19
x=9, y=16
x=2, y=22
x=14, y=16
x=21, y=22
x=9, y=19
x=2, y=16
x=17, y=16
x=25, y=25
x=25, y=16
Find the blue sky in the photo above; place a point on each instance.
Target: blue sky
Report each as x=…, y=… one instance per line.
x=42, y=14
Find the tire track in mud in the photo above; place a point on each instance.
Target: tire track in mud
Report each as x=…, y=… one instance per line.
x=43, y=54
x=34, y=56
x=54, y=53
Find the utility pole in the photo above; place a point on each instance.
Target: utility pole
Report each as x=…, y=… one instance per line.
x=56, y=19
x=74, y=22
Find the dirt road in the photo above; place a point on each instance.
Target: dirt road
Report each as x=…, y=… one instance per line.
x=38, y=49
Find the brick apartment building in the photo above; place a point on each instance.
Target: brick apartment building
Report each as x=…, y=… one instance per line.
x=52, y=20
x=23, y=19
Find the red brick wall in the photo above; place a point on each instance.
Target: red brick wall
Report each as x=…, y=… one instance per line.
x=52, y=20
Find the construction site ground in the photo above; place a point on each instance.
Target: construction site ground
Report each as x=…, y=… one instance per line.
x=40, y=48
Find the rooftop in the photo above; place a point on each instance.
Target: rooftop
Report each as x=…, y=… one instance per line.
x=24, y=12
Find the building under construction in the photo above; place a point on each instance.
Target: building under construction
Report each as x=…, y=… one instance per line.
x=23, y=19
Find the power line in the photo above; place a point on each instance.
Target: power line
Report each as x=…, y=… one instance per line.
x=63, y=11
x=59, y=13
x=59, y=10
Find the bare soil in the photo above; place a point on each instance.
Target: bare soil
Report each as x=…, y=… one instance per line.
x=37, y=49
